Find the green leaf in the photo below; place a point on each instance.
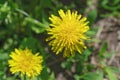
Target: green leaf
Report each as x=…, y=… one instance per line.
x=115, y=69
x=44, y=74
x=86, y=54
x=108, y=55
x=90, y=75
x=29, y=43
x=104, y=2
x=93, y=76
x=90, y=33
x=1, y=73
x=76, y=77
x=100, y=75
x=66, y=64
x=37, y=26
x=5, y=56
x=92, y=15
x=110, y=74
x=103, y=49
x=34, y=21
x=52, y=76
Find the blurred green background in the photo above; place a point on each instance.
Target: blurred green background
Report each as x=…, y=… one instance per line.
x=23, y=24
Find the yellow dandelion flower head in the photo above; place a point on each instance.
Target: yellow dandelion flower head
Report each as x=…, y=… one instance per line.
x=67, y=33
x=25, y=62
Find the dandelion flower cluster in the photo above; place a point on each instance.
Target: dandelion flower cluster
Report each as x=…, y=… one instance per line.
x=25, y=62
x=67, y=33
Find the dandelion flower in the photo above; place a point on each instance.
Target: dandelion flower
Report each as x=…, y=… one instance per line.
x=25, y=62
x=67, y=33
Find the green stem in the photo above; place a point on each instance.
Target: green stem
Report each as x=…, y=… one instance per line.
x=23, y=77
x=38, y=78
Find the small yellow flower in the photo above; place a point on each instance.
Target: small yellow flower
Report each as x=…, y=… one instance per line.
x=25, y=62
x=67, y=33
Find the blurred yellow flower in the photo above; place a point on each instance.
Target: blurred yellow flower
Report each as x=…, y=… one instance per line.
x=25, y=62
x=67, y=33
